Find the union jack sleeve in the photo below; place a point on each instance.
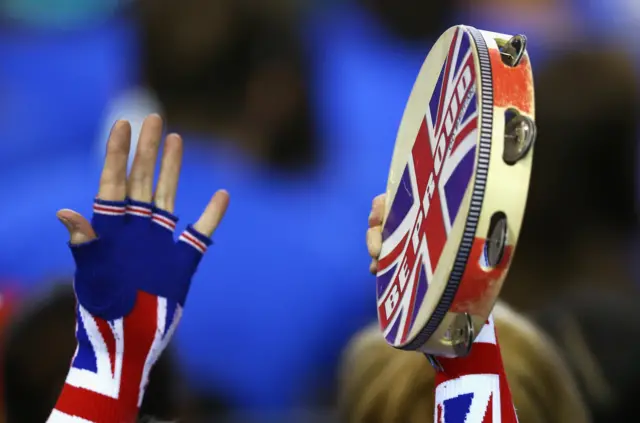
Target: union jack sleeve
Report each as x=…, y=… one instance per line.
x=474, y=389
x=110, y=368
x=131, y=285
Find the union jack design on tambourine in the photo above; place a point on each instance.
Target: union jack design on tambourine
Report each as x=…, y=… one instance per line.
x=456, y=190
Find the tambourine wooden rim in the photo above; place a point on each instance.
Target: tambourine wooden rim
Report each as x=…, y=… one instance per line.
x=440, y=308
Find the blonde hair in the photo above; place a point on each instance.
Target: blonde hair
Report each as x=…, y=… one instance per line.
x=379, y=384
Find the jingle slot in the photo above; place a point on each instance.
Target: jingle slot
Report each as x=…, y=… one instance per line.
x=519, y=135
x=496, y=241
x=513, y=50
x=461, y=334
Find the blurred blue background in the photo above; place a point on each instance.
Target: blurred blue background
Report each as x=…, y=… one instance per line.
x=292, y=106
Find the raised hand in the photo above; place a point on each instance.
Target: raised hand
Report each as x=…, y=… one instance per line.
x=374, y=233
x=480, y=374
x=132, y=277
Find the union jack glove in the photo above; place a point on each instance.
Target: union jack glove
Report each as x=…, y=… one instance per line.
x=132, y=277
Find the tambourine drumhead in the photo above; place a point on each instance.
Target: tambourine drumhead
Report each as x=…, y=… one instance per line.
x=456, y=191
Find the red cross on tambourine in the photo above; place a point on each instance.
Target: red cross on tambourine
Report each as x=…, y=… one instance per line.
x=456, y=191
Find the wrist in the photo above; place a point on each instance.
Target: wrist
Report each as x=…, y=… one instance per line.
x=475, y=385
x=484, y=358
x=110, y=369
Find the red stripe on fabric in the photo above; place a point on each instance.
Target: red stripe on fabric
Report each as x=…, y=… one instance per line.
x=139, y=330
x=507, y=410
x=91, y=406
x=110, y=209
x=141, y=210
x=195, y=240
x=484, y=358
x=109, y=340
x=488, y=414
x=164, y=220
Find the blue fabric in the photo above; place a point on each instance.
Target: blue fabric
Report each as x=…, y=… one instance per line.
x=132, y=253
x=32, y=244
x=613, y=16
x=362, y=79
x=85, y=358
x=283, y=290
x=286, y=286
x=54, y=86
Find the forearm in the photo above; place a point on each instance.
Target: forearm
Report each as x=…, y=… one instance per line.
x=474, y=388
x=109, y=371
x=132, y=276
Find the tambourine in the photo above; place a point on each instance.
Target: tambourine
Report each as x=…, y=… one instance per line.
x=456, y=191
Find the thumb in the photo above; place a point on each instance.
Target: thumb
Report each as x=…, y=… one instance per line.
x=213, y=213
x=80, y=230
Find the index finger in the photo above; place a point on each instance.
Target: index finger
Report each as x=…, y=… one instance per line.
x=377, y=211
x=113, y=180
x=213, y=213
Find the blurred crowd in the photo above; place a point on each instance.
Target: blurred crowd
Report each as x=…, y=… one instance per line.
x=293, y=107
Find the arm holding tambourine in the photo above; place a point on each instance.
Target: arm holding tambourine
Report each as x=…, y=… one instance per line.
x=467, y=386
x=132, y=277
x=443, y=235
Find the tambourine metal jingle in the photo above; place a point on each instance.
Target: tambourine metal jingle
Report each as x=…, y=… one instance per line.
x=456, y=191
